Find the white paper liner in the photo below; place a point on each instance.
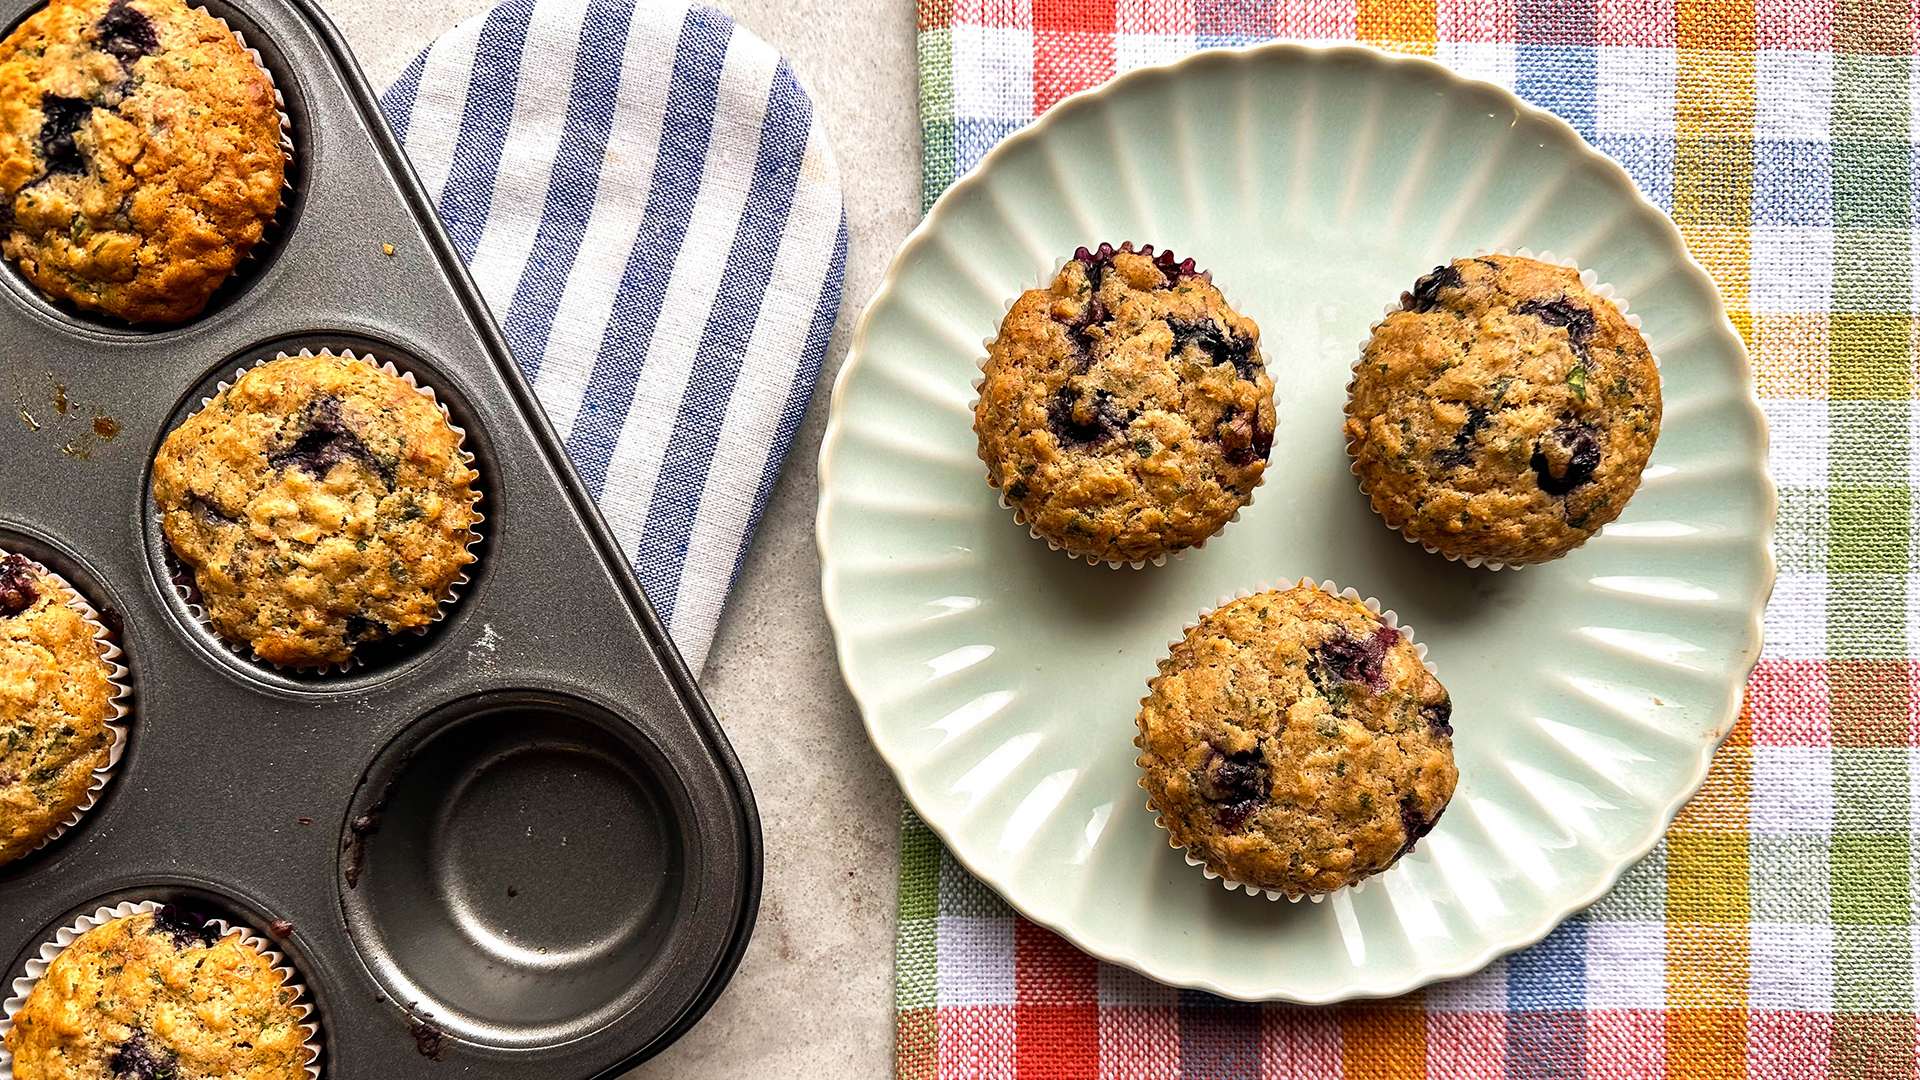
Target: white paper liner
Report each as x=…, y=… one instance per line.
x=1388, y=617
x=1019, y=518
x=182, y=575
x=1588, y=278
x=109, y=650
x=67, y=935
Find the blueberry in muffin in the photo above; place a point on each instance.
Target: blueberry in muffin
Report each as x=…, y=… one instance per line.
x=140, y=155
x=56, y=699
x=159, y=996
x=1295, y=742
x=320, y=503
x=1504, y=414
x=1125, y=411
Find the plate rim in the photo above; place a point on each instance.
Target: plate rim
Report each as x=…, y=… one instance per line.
x=1581, y=150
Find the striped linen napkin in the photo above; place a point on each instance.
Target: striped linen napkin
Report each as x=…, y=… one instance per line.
x=1770, y=935
x=653, y=214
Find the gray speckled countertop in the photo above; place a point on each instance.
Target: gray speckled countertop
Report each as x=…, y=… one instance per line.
x=814, y=996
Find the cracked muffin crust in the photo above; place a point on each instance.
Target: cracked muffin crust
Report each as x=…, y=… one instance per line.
x=56, y=697
x=1125, y=411
x=1295, y=742
x=159, y=996
x=1504, y=413
x=320, y=503
x=140, y=155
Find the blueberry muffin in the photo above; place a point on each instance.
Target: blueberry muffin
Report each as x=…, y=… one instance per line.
x=320, y=503
x=159, y=996
x=1295, y=742
x=56, y=698
x=140, y=155
x=1504, y=413
x=1125, y=410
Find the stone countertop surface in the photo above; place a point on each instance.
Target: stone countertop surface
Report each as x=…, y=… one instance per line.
x=814, y=995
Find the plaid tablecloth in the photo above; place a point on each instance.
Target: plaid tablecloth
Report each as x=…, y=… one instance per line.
x=1770, y=935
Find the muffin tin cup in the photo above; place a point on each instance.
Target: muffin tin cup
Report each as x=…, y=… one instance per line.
x=1589, y=278
x=182, y=575
x=109, y=649
x=1020, y=518
x=51, y=949
x=1389, y=618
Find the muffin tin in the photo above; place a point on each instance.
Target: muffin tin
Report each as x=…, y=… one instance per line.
x=514, y=845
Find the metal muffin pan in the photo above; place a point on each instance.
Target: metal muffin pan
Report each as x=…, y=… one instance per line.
x=515, y=845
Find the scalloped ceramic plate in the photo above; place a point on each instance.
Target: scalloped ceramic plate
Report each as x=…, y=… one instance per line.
x=1000, y=679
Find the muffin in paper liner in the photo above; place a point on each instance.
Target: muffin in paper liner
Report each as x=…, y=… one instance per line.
x=274, y=223
x=110, y=653
x=980, y=365
x=1591, y=280
x=181, y=575
x=51, y=949
x=1388, y=618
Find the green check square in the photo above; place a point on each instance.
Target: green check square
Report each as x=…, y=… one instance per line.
x=1869, y=530
x=1870, y=92
x=1867, y=447
x=1640, y=895
x=1871, y=879
x=1870, y=278
x=1873, y=969
x=920, y=857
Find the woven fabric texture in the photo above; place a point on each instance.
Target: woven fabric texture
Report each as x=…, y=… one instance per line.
x=643, y=196
x=1771, y=934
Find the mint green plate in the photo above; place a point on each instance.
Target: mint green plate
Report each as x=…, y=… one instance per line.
x=1000, y=679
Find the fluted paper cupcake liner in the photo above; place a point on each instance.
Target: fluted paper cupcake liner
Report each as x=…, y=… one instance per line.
x=109, y=650
x=1388, y=617
x=1588, y=278
x=1019, y=518
x=51, y=949
x=182, y=575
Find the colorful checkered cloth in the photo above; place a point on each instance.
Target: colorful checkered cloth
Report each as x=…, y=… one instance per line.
x=1770, y=935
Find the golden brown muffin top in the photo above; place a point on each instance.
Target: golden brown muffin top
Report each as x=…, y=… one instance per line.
x=1125, y=411
x=159, y=996
x=1295, y=742
x=140, y=155
x=1505, y=413
x=320, y=503
x=55, y=700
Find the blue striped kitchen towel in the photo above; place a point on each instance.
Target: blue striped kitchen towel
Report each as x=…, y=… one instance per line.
x=650, y=207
